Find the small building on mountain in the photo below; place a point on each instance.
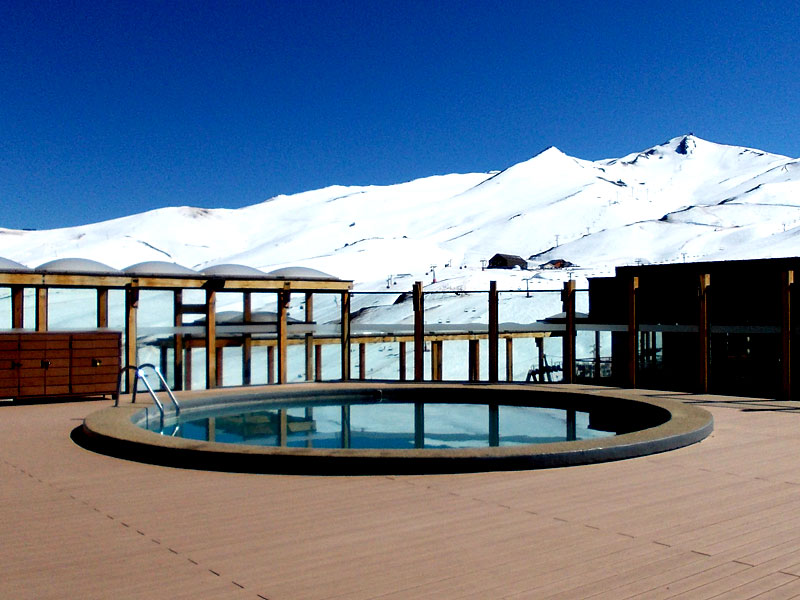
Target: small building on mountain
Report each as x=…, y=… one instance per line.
x=507, y=261
x=556, y=263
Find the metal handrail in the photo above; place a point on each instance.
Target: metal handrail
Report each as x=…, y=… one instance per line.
x=140, y=375
x=163, y=383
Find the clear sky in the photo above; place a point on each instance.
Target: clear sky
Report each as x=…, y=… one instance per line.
x=109, y=108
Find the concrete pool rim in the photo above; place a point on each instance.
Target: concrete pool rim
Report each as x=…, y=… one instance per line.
x=111, y=431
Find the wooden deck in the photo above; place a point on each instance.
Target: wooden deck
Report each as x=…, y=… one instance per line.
x=720, y=519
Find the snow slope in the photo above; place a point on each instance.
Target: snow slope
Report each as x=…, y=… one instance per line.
x=686, y=199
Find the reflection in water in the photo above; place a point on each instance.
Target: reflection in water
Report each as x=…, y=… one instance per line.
x=392, y=426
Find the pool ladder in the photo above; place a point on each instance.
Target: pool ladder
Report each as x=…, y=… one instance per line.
x=140, y=375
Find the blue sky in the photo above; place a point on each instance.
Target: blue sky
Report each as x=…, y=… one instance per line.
x=112, y=108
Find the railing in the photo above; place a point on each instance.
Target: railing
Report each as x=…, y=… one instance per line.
x=140, y=376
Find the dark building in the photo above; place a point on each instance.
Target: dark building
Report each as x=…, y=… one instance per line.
x=718, y=327
x=507, y=261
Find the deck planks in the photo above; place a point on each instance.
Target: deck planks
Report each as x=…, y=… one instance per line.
x=717, y=519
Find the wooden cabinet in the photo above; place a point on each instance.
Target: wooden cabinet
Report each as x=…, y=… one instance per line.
x=58, y=363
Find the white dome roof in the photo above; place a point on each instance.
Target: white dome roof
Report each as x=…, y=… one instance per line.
x=232, y=270
x=76, y=265
x=299, y=273
x=10, y=265
x=158, y=267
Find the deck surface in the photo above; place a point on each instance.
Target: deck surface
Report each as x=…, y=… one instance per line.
x=719, y=519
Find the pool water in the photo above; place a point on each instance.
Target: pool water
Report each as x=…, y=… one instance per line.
x=389, y=425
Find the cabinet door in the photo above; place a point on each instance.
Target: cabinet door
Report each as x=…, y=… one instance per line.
x=32, y=349
x=57, y=357
x=95, y=362
x=9, y=365
x=44, y=364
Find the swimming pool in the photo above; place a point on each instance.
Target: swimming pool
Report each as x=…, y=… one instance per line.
x=364, y=422
x=397, y=428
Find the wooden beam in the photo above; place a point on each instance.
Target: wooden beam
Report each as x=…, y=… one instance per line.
x=41, y=309
x=437, y=349
x=270, y=364
x=177, y=321
x=509, y=359
x=362, y=361
x=541, y=358
x=192, y=309
x=220, y=366
x=568, y=341
x=283, y=313
x=72, y=280
x=187, y=369
x=211, y=338
x=787, y=283
x=318, y=363
x=419, y=332
x=310, y=374
x=402, y=361
x=633, y=332
x=703, y=331
x=493, y=333
x=345, y=321
x=131, y=307
x=102, y=307
x=17, y=307
x=247, y=341
x=474, y=360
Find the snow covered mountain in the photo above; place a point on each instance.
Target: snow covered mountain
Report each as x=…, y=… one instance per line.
x=686, y=199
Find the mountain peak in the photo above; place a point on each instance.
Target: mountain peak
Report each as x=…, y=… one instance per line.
x=686, y=145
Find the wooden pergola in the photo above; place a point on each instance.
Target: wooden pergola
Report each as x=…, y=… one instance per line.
x=86, y=274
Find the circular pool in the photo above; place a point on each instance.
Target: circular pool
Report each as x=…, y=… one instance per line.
x=395, y=428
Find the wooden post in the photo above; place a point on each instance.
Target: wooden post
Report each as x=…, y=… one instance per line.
x=787, y=282
x=283, y=423
x=270, y=364
x=131, y=306
x=177, y=359
x=345, y=425
x=437, y=347
x=102, y=308
x=419, y=425
x=283, y=346
x=633, y=332
x=703, y=330
x=540, y=357
x=318, y=362
x=219, y=367
x=41, y=309
x=597, y=357
x=509, y=359
x=345, y=336
x=568, y=341
x=162, y=359
x=310, y=374
x=362, y=361
x=494, y=333
x=419, y=332
x=402, y=360
x=474, y=360
x=247, y=339
x=187, y=369
x=17, y=307
x=494, y=425
x=211, y=338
